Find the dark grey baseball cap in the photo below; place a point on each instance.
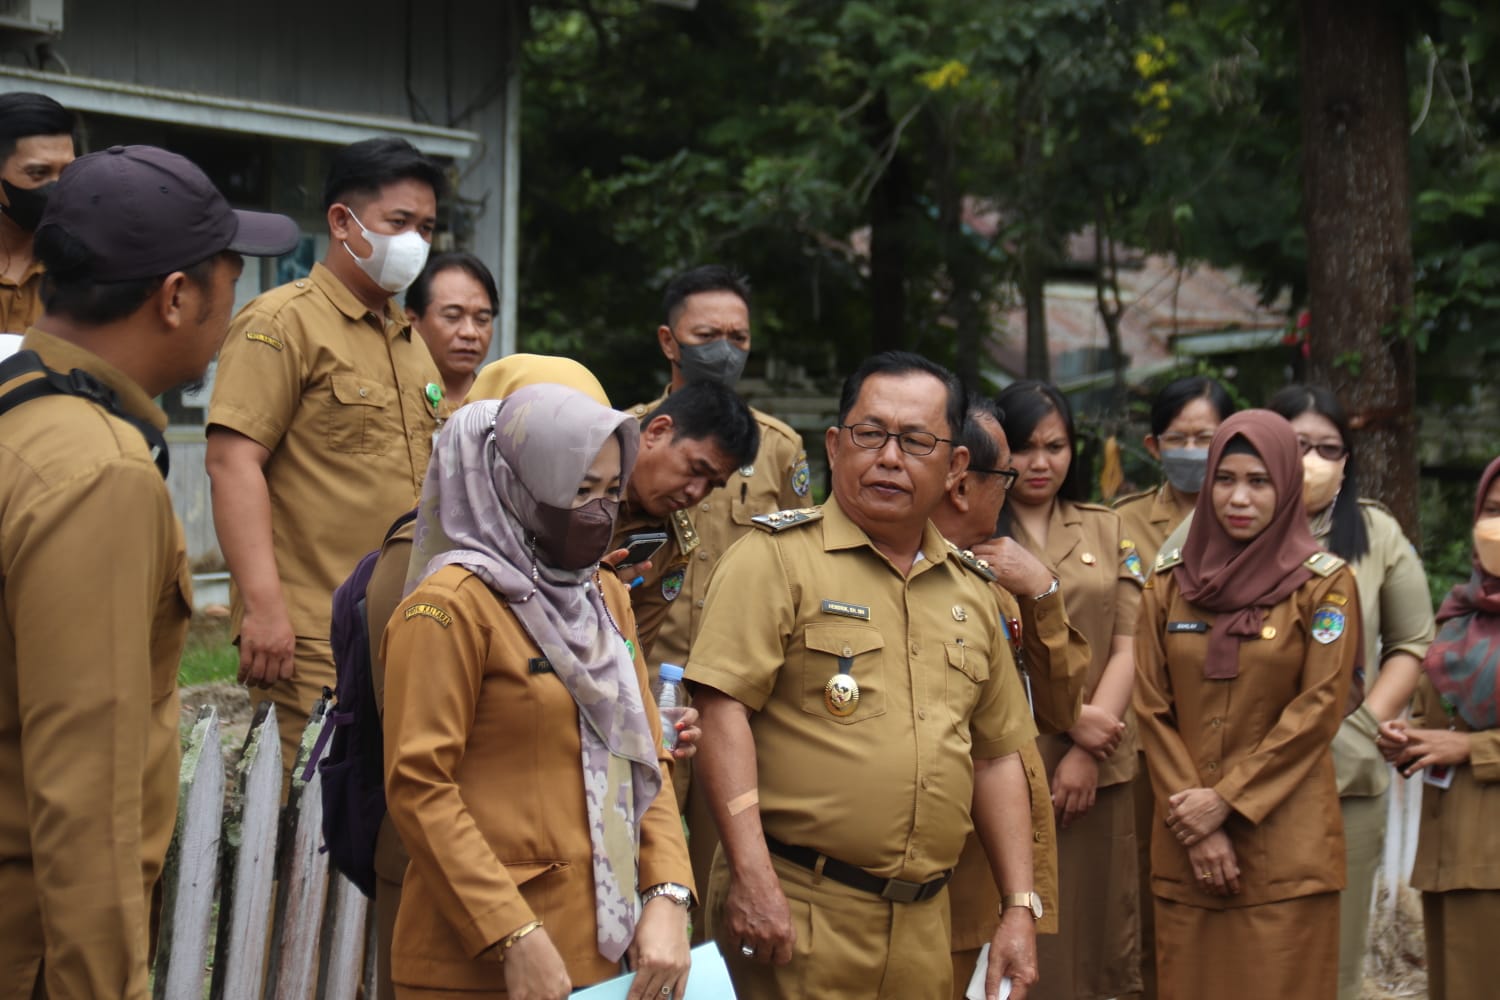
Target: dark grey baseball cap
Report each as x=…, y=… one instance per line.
x=141, y=212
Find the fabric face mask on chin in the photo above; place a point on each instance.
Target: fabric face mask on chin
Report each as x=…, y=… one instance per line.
x=26, y=205
x=1185, y=468
x=1487, y=544
x=394, y=261
x=716, y=361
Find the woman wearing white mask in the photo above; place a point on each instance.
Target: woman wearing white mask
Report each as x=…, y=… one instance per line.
x=1457, y=867
x=1398, y=627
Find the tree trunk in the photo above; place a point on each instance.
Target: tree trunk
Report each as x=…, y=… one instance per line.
x=1034, y=298
x=1356, y=207
x=890, y=204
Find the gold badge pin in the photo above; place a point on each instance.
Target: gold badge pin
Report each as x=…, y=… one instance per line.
x=1269, y=632
x=841, y=695
x=959, y=614
x=1088, y=558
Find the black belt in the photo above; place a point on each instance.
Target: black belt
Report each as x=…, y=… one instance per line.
x=894, y=889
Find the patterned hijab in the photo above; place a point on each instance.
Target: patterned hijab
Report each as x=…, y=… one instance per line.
x=1241, y=581
x=1463, y=662
x=492, y=465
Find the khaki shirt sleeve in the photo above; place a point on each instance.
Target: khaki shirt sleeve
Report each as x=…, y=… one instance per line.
x=258, y=382
x=1406, y=622
x=382, y=594
x=1001, y=723
x=1128, y=589
x=433, y=685
x=795, y=474
x=1288, y=753
x=748, y=617
x=1057, y=661
x=84, y=702
x=1167, y=756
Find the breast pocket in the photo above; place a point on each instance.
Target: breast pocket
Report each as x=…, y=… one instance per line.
x=968, y=670
x=862, y=647
x=357, y=415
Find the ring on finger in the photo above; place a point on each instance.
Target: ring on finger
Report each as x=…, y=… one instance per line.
x=747, y=951
x=666, y=991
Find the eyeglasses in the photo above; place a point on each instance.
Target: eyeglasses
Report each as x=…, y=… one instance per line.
x=1329, y=451
x=1009, y=475
x=916, y=443
x=1173, y=439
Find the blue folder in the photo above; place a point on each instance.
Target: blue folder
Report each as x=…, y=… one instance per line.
x=707, y=980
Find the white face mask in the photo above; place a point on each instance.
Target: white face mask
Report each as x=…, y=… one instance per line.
x=394, y=261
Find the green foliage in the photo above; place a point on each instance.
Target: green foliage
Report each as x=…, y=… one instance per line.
x=208, y=656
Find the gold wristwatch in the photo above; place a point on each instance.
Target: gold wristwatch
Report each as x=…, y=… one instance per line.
x=1030, y=900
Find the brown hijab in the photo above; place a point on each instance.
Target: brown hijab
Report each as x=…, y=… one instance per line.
x=1241, y=581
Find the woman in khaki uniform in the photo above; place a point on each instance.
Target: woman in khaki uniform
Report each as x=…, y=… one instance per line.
x=1248, y=642
x=1096, y=952
x=1184, y=416
x=1396, y=608
x=1458, y=709
x=523, y=761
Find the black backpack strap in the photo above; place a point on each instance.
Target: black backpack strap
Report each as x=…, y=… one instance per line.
x=400, y=523
x=75, y=383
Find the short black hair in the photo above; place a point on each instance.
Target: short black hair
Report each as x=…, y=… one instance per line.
x=707, y=278
x=906, y=363
x=1177, y=394
x=983, y=453
x=365, y=167
x=69, y=288
x=24, y=114
x=419, y=295
x=1347, y=537
x=1027, y=403
x=709, y=410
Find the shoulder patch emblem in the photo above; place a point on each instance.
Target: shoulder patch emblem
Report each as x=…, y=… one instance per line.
x=432, y=611
x=784, y=519
x=1327, y=623
x=801, y=476
x=264, y=338
x=1131, y=560
x=671, y=584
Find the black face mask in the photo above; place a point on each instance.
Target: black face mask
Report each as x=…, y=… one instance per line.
x=26, y=205
x=575, y=537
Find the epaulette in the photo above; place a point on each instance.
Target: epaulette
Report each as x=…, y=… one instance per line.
x=1165, y=560
x=972, y=562
x=1119, y=502
x=1323, y=563
x=783, y=519
x=684, y=532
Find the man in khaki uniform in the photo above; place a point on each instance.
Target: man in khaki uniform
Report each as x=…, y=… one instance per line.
x=321, y=424
x=690, y=444
x=706, y=337
x=96, y=585
x=1054, y=658
x=36, y=143
x=860, y=713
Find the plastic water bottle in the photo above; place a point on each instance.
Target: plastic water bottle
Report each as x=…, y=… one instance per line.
x=669, y=702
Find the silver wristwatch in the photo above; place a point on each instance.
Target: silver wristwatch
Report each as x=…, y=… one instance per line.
x=679, y=894
x=1048, y=592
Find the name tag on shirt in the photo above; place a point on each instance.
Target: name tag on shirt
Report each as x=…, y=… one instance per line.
x=847, y=610
x=540, y=665
x=1187, y=627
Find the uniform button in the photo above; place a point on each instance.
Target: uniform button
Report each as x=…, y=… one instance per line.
x=363, y=391
x=1213, y=765
x=1216, y=723
x=1037, y=837
x=301, y=284
x=702, y=556
x=922, y=713
x=700, y=603
x=703, y=506
x=915, y=649
x=924, y=782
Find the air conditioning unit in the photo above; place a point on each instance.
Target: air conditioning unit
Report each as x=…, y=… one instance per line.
x=43, y=17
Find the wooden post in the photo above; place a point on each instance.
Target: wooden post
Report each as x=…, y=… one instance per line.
x=192, y=865
x=248, y=870
x=302, y=875
x=344, y=937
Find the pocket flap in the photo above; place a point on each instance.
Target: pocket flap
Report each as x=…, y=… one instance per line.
x=967, y=661
x=842, y=640
x=522, y=872
x=355, y=391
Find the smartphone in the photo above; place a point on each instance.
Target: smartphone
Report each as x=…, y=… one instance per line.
x=642, y=545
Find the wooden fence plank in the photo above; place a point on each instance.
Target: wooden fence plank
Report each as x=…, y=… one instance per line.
x=344, y=948
x=192, y=866
x=248, y=870
x=302, y=876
